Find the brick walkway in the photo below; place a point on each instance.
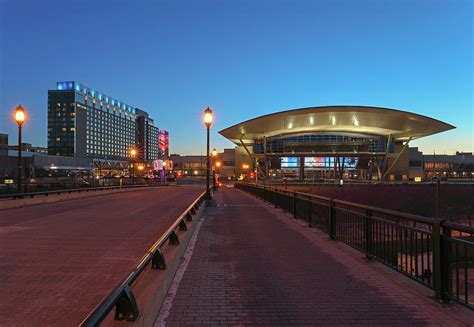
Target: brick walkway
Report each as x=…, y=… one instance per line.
x=253, y=265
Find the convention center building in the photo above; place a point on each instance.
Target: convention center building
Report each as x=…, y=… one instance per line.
x=339, y=142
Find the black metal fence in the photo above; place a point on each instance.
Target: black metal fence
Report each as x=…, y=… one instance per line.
x=434, y=252
x=121, y=297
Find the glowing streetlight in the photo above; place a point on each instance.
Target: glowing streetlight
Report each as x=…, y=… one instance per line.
x=20, y=115
x=20, y=118
x=218, y=164
x=208, y=118
x=133, y=154
x=214, y=156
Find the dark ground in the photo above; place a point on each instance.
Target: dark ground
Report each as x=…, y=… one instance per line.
x=456, y=200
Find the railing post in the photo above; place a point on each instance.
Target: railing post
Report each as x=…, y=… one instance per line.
x=275, y=197
x=158, y=260
x=310, y=212
x=126, y=307
x=294, y=204
x=368, y=234
x=332, y=220
x=173, y=238
x=189, y=216
x=182, y=226
x=441, y=268
x=446, y=269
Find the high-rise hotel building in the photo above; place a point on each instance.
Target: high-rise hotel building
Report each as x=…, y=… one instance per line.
x=85, y=123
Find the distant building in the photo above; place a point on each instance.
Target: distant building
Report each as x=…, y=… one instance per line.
x=3, y=144
x=428, y=166
x=227, y=169
x=36, y=164
x=85, y=123
x=195, y=165
x=189, y=165
x=146, y=137
x=459, y=165
x=29, y=148
x=415, y=164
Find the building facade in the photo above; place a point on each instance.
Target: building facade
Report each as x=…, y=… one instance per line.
x=147, y=137
x=85, y=123
x=429, y=166
x=189, y=165
x=195, y=165
x=3, y=144
x=332, y=142
x=28, y=147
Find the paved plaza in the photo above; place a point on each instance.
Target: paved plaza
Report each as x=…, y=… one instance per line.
x=252, y=264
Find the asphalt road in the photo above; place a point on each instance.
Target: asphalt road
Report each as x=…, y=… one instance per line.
x=58, y=260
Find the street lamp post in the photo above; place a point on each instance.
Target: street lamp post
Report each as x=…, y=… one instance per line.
x=214, y=155
x=208, y=122
x=133, y=153
x=245, y=166
x=218, y=165
x=20, y=119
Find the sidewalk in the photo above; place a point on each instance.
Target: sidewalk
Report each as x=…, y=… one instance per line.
x=254, y=265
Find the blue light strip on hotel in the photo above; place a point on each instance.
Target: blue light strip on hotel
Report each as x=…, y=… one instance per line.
x=71, y=85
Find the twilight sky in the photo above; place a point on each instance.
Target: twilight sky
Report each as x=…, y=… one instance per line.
x=243, y=59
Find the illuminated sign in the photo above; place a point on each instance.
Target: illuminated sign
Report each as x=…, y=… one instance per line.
x=316, y=162
x=157, y=164
x=162, y=165
x=290, y=162
x=163, y=143
x=163, y=140
x=328, y=162
x=437, y=165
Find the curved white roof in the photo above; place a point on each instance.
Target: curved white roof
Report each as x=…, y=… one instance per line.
x=402, y=125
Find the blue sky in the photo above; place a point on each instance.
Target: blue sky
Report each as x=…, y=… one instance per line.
x=243, y=59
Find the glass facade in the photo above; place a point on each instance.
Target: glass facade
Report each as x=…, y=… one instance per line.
x=61, y=124
x=323, y=142
x=108, y=136
x=85, y=123
x=147, y=137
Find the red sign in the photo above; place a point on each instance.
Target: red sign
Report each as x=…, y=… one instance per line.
x=163, y=140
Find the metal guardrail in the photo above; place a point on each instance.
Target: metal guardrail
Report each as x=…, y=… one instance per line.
x=75, y=190
x=434, y=252
x=121, y=297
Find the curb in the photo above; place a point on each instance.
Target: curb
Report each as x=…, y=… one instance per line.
x=151, y=306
